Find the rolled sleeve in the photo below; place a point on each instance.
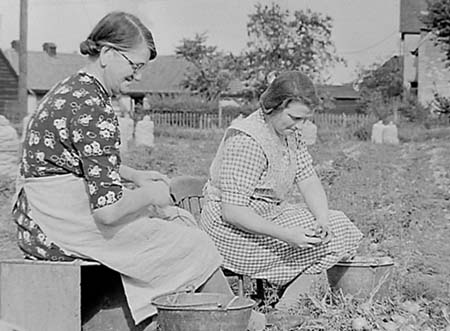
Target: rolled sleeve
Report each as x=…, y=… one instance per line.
x=304, y=160
x=95, y=134
x=243, y=165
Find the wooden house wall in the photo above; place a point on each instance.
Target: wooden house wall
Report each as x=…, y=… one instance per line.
x=8, y=84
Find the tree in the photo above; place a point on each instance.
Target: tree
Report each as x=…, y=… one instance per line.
x=280, y=40
x=437, y=20
x=385, y=79
x=381, y=87
x=208, y=76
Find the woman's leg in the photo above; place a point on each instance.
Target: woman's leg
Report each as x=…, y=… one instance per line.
x=217, y=283
x=301, y=285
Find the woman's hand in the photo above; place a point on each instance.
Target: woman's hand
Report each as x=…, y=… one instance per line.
x=323, y=231
x=158, y=192
x=301, y=237
x=143, y=177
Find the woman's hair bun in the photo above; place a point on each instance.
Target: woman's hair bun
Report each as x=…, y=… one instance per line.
x=89, y=47
x=288, y=85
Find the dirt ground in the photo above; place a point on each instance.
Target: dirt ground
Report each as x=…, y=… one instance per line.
x=399, y=196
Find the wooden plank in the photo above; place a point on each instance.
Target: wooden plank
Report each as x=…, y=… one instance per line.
x=41, y=296
x=37, y=262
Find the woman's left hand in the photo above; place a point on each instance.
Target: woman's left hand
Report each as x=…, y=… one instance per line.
x=141, y=177
x=323, y=231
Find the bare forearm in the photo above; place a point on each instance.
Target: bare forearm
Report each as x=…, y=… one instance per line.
x=247, y=220
x=131, y=202
x=315, y=197
x=127, y=172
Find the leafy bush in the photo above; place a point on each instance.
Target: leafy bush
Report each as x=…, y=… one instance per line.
x=411, y=110
x=441, y=106
x=374, y=103
x=364, y=132
x=245, y=109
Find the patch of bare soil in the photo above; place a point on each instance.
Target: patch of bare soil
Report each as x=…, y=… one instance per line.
x=399, y=197
x=8, y=247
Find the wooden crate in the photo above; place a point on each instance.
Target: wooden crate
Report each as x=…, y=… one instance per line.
x=63, y=296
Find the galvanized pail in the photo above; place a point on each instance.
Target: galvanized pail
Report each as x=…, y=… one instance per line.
x=362, y=277
x=202, y=312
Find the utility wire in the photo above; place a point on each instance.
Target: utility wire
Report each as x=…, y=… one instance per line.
x=64, y=2
x=371, y=46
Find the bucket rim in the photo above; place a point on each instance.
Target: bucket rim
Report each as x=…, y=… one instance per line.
x=166, y=306
x=364, y=261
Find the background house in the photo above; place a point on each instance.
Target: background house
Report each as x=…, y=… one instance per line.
x=161, y=77
x=424, y=70
x=345, y=98
x=45, y=68
x=8, y=84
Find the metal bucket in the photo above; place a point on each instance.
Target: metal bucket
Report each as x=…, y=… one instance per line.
x=202, y=312
x=362, y=277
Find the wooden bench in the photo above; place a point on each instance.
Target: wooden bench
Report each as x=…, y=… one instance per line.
x=64, y=296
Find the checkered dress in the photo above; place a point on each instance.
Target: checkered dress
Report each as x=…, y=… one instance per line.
x=243, y=180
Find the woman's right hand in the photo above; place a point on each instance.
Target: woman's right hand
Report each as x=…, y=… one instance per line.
x=302, y=238
x=158, y=193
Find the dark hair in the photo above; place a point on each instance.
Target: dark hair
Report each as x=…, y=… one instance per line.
x=118, y=30
x=289, y=86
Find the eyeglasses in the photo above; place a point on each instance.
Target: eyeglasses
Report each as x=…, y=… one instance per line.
x=300, y=120
x=135, y=66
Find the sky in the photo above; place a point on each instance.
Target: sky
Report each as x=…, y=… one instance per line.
x=364, y=31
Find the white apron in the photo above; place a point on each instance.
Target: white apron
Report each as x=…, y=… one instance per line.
x=152, y=255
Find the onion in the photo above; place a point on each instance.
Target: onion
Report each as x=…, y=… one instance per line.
x=360, y=324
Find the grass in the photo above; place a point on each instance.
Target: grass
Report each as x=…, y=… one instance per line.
x=397, y=195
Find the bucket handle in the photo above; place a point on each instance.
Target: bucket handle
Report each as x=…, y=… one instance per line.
x=231, y=302
x=173, y=300
x=188, y=289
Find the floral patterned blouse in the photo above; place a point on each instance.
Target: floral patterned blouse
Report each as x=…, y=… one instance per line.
x=75, y=130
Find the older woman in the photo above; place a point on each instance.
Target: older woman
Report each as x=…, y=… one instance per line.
x=260, y=160
x=71, y=199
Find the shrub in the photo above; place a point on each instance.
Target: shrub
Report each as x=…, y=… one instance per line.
x=411, y=110
x=363, y=132
x=245, y=109
x=374, y=103
x=441, y=106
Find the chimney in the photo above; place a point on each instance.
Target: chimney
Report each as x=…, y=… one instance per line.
x=15, y=45
x=49, y=48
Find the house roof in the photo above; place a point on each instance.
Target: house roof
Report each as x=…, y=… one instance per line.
x=43, y=71
x=410, y=11
x=164, y=74
x=345, y=91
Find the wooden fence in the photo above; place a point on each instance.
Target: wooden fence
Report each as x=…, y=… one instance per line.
x=343, y=121
x=211, y=121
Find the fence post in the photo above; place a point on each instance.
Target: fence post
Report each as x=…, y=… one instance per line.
x=220, y=116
